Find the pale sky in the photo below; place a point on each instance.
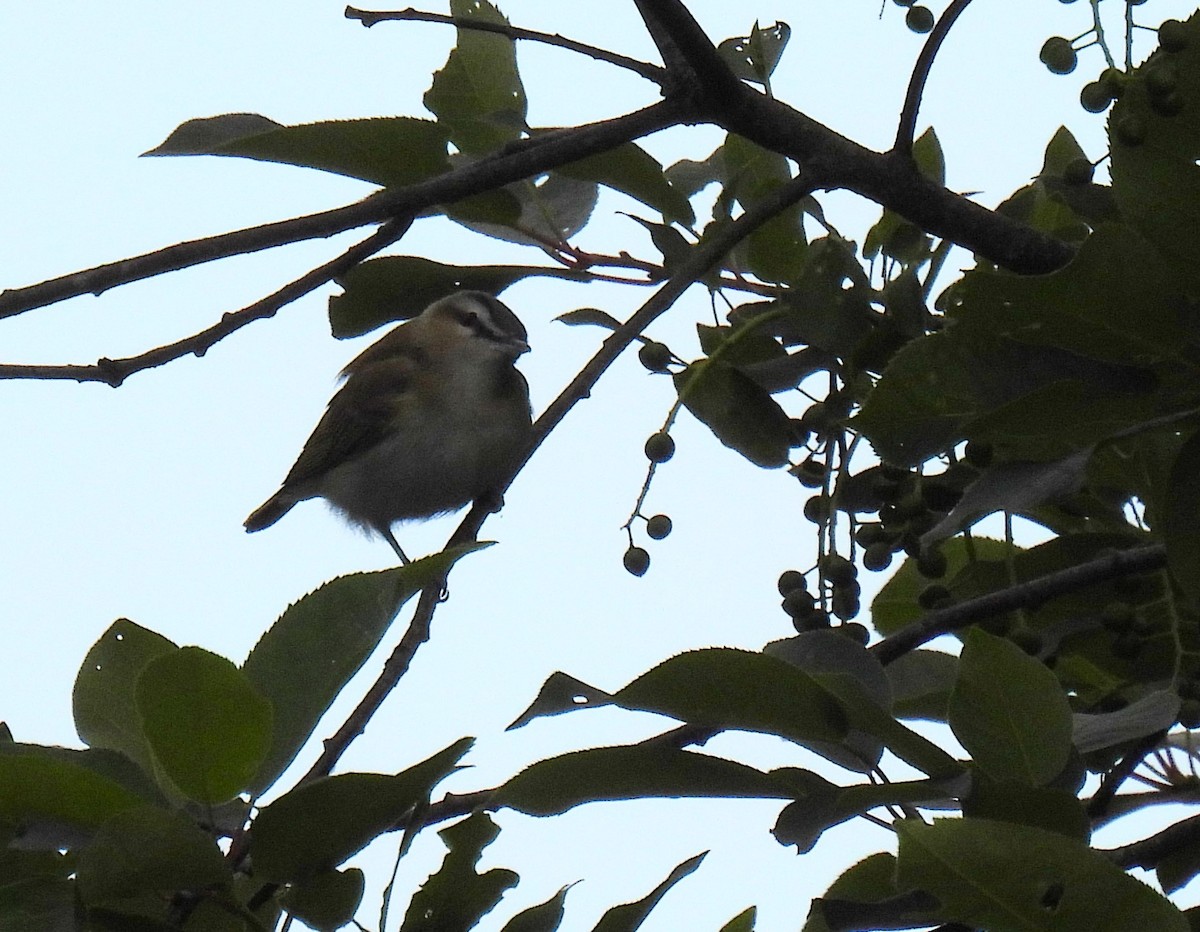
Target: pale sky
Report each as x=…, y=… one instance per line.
x=129, y=502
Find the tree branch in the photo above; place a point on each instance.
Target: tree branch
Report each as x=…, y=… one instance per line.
x=1034, y=592
x=1150, y=852
x=651, y=72
x=907, y=130
x=527, y=158
x=114, y=371
x=704, y=255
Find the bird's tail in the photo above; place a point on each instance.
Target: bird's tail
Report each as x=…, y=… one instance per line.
x=269, y=512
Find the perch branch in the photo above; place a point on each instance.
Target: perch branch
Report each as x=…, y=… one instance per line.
x=907, y=130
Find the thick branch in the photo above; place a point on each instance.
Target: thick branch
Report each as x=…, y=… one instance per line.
x=702, y=258
x=888, y=179
x=542, y=153
x=1150, y=852
x=370, y=17
x=1034, y=592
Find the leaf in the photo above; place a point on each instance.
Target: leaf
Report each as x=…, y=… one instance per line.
x=1157, y=180
x=1156, y=711
x=318, y=825
x=641, y=771
x=305, y=659
x=733, y=689
x=547, y=212
x=394, y=288
x=207, y=726
x=42, y=903
x=754, y=57
x=562, y=693
x=1009, y=712
x=998, y=875
x=70, y=801
x=1012, y=487
x=478, y=96
x=866, y=895
x=544, y=917
x=629, y=916
x=387, y=151
x=740, y=414
x=1181, y=520
x=457, y=897
x=149, y=850
x=1047, y=807
x=103, y=701
x=922, y=681
x=743, y=921
x=632, y=170
x=326, y=901
x=589, y=316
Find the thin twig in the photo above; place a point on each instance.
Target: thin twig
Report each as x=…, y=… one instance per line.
x=907, y=130
x=1097, y=806
x=1150, y=852
x=1034, y=592
x=527, y=158
x=702, y=258
x=651, y=72
x=114, y=371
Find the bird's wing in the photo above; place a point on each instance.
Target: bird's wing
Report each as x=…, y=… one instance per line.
x=363, y=413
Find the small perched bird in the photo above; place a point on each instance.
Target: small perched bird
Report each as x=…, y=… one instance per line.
x=429, y=418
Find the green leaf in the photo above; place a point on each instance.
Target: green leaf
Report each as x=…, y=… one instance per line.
x=548, y=212
x=383, y=150
x=722, y=688
x=922, y=681
x=754, y=57
x=629, y=916
x=392, y=288
x=1002, y=876
x=305, y=659
x=866, y=894
x=1115, y=302
x=326, y=901
x=1157, y=180
x=589, y=316
x=545, y=917
x=104, y=701
x=478, y=96
x=1047, y=807
x=640, y=771
x=631, y=170
x=43, y=793
x=743, y=921
x=1153, y=712
x=927, y=153
x=149, y=850
x=775, y=251
x=316, y=826
x=457, y=896
x=742, y=415
x=1010, y=712
x=207, y=726
x=41, y=903
x=562, y=693
x=1181, y=512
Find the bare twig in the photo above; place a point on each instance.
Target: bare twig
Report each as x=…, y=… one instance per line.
x=702, y=258
x=527, y=158
x=370, y=17
x=115, y=371
x=1097, y=806
x=906, y=131
x=1034, y=592
x=1150, y=852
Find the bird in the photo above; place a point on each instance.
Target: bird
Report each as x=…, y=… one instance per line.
x=429, y=418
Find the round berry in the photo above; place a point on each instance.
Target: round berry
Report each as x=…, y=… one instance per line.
x=811, y=473
x=1095, y=97
x=654, y=356
x=855, y=632
x=932, y=563
x=790, y=581
x=659, y=526
x=837, y=569
x=878, y=556
x=660, y=447
x=1130, y=130
x=817, y=509
x=636, y=561
x=1172, y=36
x=799, y=603
x=1058, y=56
x=919, y=19
x=979, y=454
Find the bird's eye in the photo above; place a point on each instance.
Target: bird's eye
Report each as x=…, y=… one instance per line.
x=470, y=320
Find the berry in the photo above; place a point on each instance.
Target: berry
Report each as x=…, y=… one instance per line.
x=799, y=603
x=1130, y=130
x=811, y=473
x=654, y=356
x=813, y=621
x=837, y=569
x=919, y=19
x=660, y=447
x=1172, y=36
x=1095, y=97
x=855, y=632
x=658, y=527
x=979, y=454
x=1189, y=713
x=816, y=509
x=790, y=581
x=1168, y=105
x=868, y=534
x=1078, y=171
x=933, y=596
x=1058, y=56
x=636, y=561
x=846, y=606
x=877, y=557
x=1162, y=79
x=932, y=564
